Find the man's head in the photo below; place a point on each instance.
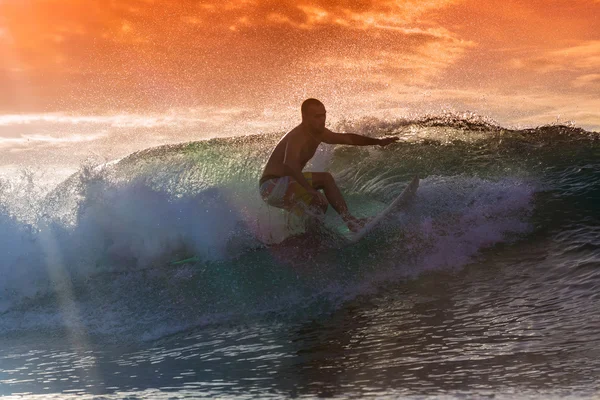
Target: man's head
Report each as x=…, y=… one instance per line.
x=313, y=115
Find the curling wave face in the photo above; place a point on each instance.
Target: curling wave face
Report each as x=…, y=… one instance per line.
x=93, y=253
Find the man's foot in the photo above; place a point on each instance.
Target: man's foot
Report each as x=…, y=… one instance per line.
x=356, y=224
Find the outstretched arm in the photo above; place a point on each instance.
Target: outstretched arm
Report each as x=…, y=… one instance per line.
x=354, y=139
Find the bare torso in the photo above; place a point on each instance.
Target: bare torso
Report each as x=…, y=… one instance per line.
x=306, y=148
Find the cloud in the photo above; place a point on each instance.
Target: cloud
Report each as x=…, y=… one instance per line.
x=584, y=56
x=416, y=55
x=29, y=142
x=353, y=14
x=139, y=54
x=149, y=55
x=587, y=80
x=45, y=31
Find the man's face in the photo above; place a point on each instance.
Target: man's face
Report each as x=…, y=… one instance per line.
x=315, y=117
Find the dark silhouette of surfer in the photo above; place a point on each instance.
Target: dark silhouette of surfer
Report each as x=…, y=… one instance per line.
x=284, y=185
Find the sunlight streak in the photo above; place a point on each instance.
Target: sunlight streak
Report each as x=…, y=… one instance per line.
x=63, y=289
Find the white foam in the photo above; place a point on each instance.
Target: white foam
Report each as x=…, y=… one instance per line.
x=455, y=218
x=128, y=225
x=118, y=227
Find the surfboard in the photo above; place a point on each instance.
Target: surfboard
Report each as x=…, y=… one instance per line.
x=403, y=200
x=190, y=260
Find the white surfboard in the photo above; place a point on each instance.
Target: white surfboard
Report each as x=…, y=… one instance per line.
x=399, y=202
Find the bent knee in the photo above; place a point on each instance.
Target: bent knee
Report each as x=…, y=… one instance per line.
x=323, y=179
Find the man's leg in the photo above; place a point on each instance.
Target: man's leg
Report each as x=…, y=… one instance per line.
x=288, y=194
x=298, y=200
x=324, y=180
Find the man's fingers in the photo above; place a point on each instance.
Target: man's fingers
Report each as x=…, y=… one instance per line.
x=386, y=141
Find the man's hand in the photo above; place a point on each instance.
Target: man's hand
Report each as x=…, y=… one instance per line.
x=384, y=142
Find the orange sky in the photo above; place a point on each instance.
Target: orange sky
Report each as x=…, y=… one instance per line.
x=520, y=62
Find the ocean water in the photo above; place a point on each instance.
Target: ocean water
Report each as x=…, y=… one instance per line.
x=487, y=286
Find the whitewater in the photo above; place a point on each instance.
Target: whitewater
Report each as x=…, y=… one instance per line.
x=486, y=286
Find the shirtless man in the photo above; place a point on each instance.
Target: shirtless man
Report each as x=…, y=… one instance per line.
x=284, y=185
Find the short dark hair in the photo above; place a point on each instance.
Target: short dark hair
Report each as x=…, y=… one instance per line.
x=309, y=102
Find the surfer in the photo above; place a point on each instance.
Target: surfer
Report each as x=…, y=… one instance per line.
x=284, y=185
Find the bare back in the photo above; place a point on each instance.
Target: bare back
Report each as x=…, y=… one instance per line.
x=305, y=146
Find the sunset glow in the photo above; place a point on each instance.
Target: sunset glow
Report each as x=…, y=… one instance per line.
x=520, y=62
